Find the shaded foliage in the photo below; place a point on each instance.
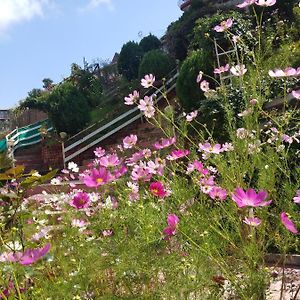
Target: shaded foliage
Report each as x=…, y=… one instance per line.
x=187, y=88
x=129, y=60
x=150, y=42
x=156, y=62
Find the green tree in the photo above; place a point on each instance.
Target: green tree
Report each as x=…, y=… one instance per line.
x=89, y=84
x=68, y=108
x=129, y=60
x=156, y=62
x=150, y=42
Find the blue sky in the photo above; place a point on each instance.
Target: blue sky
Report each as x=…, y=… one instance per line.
x=42, y=38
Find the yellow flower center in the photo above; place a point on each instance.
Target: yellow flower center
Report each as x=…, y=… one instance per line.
x=99, y=180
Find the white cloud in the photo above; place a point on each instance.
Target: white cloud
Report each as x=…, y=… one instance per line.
x=16, y=11
x=93, y=4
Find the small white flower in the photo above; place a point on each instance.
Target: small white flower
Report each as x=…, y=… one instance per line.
x=73, y=167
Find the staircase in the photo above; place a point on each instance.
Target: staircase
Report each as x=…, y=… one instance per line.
x=80, y=147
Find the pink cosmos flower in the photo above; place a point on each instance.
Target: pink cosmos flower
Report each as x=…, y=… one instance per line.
x=129, y=141
x=289, y=71
x=250, y=198
x=145, y=153
x=170, y=230
x=224, y=25
x=146, y=106
x=208, y=148
x=297, y=197
x=217, y=193
x=197, y=165
x=288, y=224
x=204, y=86
x=296, y=94
x=253, y=101
x=119, y=172
x=99, y=152
x=148, y=81
x=107, y=232
x=97, y=177
x=140, y=172
x=199, y=77
x=157, y=166
x=158, y=189
x=132, y=98
x=246, y=3
x=265, y=2
x=79, y=223
x=207, y=184
x=238, y=70
x=110, y=160
x=222, y=69
x=286, y=138
x=252, y=221
x=227, y=147
x=164, y=143
x=191, y=116
x=81, y=200
x=176, y=154
x=28, y=257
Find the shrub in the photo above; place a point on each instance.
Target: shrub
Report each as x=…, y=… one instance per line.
x=67, y=108
x=129, y=60
x=156, y=62
x=150, y=42
x=187, y=89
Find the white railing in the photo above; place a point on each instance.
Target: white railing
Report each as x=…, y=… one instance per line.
x=77, y=143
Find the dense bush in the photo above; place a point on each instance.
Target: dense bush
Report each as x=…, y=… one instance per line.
x=150, y=42
x=203, y=33
x=187, y=88
x=68, y=109
x=129, y=60
x=156, y=62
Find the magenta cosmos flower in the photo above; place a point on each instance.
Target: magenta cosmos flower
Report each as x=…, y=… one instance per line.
x=297, y=197
x=252, y=221
x=97, y=177
x=28, y=257
x=81, y=200
x=176, y=154
x=158, y=189
x=288, y=224
x=148, y=81
x=217, y=193
x=250, y=198
x=170, y=230
x=129, y=141
x=224, y=25
x=164, y=143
